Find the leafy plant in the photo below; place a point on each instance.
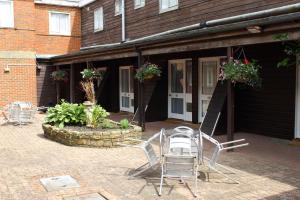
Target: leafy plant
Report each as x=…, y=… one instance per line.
x=124, y=123
x=66, y=113
x=243, y=72
x=148, y=70
x=291, y=49
x=59, y=75
x=98, y=116
x=106, y=124
x=90, y=74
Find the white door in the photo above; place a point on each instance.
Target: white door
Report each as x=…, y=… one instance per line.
x=180, y=89
x=208, y=78
x=126, y=89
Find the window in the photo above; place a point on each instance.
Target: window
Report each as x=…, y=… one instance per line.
x=6, y=14
x=168, y=5
x=98, y=19
x=118, y=7
x=139, y=3
x=59, y=23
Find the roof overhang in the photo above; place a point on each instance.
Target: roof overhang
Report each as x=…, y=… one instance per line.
x=202, y=38
x=67, y=3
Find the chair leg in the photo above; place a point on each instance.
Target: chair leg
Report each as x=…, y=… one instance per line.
x=161, y=181
x=196, y=185
x=138, y=171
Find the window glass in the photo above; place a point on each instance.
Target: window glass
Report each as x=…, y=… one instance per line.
x=6, y=14
x=118, y=7
x=167, y=5
x=59, y=23
x=139, y=3
x=98, y=19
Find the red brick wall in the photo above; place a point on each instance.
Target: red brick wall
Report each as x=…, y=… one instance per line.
x=53, y=44
x=20, y=83
x=30, y=35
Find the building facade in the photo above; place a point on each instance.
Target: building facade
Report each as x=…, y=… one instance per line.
x=31, y=30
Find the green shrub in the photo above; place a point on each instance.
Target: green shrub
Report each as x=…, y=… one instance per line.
x=98, y=115
x=106, y=124
x=124, y=123
x=66, y=113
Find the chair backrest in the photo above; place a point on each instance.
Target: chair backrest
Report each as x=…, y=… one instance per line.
x=149, y=150
x=180, y=143
x=179, y=166
x=184, y=129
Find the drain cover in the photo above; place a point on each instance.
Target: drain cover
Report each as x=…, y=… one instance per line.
x=93, y=196
x=59, y=183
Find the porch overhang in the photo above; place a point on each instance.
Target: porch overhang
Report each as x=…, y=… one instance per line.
x=233, y=34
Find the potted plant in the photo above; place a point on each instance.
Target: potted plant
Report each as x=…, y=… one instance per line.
x=241, y=71
x=59, y=75
x=147, y=71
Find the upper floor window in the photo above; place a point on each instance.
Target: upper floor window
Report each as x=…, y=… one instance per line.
x=118, y=7
x=59, y=23
x=139, y=3
x=6, y=14
x=98, y=19
x=167, y=5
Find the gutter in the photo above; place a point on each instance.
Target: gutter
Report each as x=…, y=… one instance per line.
x=238, y=18
x=188, y=34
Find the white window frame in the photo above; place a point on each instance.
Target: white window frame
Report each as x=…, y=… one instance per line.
x=120, y=7
x=68, y=33
x=12, y=24
x=169, y=8
x=142, y=4
x=101, y=18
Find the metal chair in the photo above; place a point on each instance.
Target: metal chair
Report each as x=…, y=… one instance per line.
x=179, y=162
x=219, y=147
x=152, y=158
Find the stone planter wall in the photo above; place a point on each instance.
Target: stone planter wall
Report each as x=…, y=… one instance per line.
x=106, y=138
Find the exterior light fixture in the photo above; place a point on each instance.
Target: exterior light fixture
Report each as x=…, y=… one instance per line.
x=254, y=29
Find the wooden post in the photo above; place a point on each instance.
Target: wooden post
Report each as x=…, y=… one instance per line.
x=230, y=103
x=57, y=84
x=72, y=83
x=141, y=103
x=195, y=90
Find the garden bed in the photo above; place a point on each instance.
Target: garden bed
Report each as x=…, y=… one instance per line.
x=92, y=137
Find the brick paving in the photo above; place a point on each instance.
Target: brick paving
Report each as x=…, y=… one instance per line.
x=267, y=169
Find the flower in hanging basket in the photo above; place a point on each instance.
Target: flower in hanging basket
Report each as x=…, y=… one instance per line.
x=59, y=75
x=90, y=74
x=238, y=71
x=147, y=71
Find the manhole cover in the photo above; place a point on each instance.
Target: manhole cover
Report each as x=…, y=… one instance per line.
x=93, y=196
x=59, y=183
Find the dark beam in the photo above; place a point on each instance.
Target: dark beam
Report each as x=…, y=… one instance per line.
x=57, y=84
x=72, y=83
x=195, y=82
x=141, y=102
x=230, y=103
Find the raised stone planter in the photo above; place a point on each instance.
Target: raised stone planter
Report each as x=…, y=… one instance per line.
x=105, y=138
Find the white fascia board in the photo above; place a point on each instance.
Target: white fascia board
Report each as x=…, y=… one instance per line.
x=83, y=3
x=67, y=3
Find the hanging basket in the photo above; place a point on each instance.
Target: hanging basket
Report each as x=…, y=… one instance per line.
x=147, y=71
x=59, y=75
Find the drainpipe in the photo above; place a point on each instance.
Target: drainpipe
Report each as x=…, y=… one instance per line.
x=123, y=22
x=238, y=18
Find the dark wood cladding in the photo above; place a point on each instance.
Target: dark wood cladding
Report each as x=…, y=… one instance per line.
x=269, y=110
x=147, y=20
x=46, y=93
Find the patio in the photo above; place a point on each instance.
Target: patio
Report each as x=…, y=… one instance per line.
x=267, y=169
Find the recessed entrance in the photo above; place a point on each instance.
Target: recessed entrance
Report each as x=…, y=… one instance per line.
x=180, y=89
x=126, y=89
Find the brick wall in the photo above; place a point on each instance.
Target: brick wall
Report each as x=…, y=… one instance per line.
x=19, y=84
x=19, y=45
x=54, y=44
